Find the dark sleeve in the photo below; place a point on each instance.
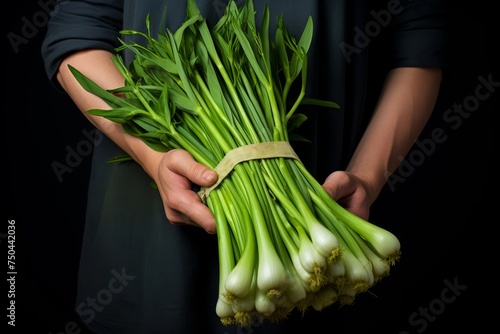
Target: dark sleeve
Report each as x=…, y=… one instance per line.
x=419, y=34
x=77, y=25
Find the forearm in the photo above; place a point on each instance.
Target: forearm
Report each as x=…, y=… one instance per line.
x=405, y=105
x=98, y=66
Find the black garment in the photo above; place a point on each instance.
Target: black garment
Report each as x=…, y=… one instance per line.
x=139, y=273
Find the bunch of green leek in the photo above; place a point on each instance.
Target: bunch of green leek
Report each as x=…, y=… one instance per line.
x=284, y=243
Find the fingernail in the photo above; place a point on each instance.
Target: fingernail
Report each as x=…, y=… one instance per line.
x=209, y=176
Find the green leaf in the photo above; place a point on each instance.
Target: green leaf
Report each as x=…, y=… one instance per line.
x=307, y=35
x=148, y=124
x=250, y=55
x=282, y=55
x=318, y=102
x=264, y=36
x=179, y=33
x=294, y=137
x=91, y=87
x=119, y=115
x=120, y=158
x=295, y=121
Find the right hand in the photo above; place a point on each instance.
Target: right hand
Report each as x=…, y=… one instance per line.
x=351, y=192
x=176, y=173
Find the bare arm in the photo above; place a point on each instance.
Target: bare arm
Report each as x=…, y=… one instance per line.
x=173, y=171
x=405, y=105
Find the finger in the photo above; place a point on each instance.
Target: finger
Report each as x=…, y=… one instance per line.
x=186, y=208
x=338, y=185
x=183, y=163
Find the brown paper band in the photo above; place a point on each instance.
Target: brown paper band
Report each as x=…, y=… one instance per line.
x=265, y=150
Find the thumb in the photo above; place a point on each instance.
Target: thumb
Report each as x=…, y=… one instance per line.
x=335, y=184
x=182, y=162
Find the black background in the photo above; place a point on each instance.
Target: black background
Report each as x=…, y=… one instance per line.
x=444, y=212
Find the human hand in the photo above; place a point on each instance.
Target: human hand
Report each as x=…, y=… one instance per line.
x=351, y=192
x=176, y=173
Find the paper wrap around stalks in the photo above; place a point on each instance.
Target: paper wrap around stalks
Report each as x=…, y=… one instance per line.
x=265, y=150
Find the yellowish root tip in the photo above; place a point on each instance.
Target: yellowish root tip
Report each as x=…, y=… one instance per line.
x=280, y=313
x=346, y=300
x=318, y=279
x=394, y=258
x=227, y=321
x=335, y=255
x=243, y=319
x=274, y=294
